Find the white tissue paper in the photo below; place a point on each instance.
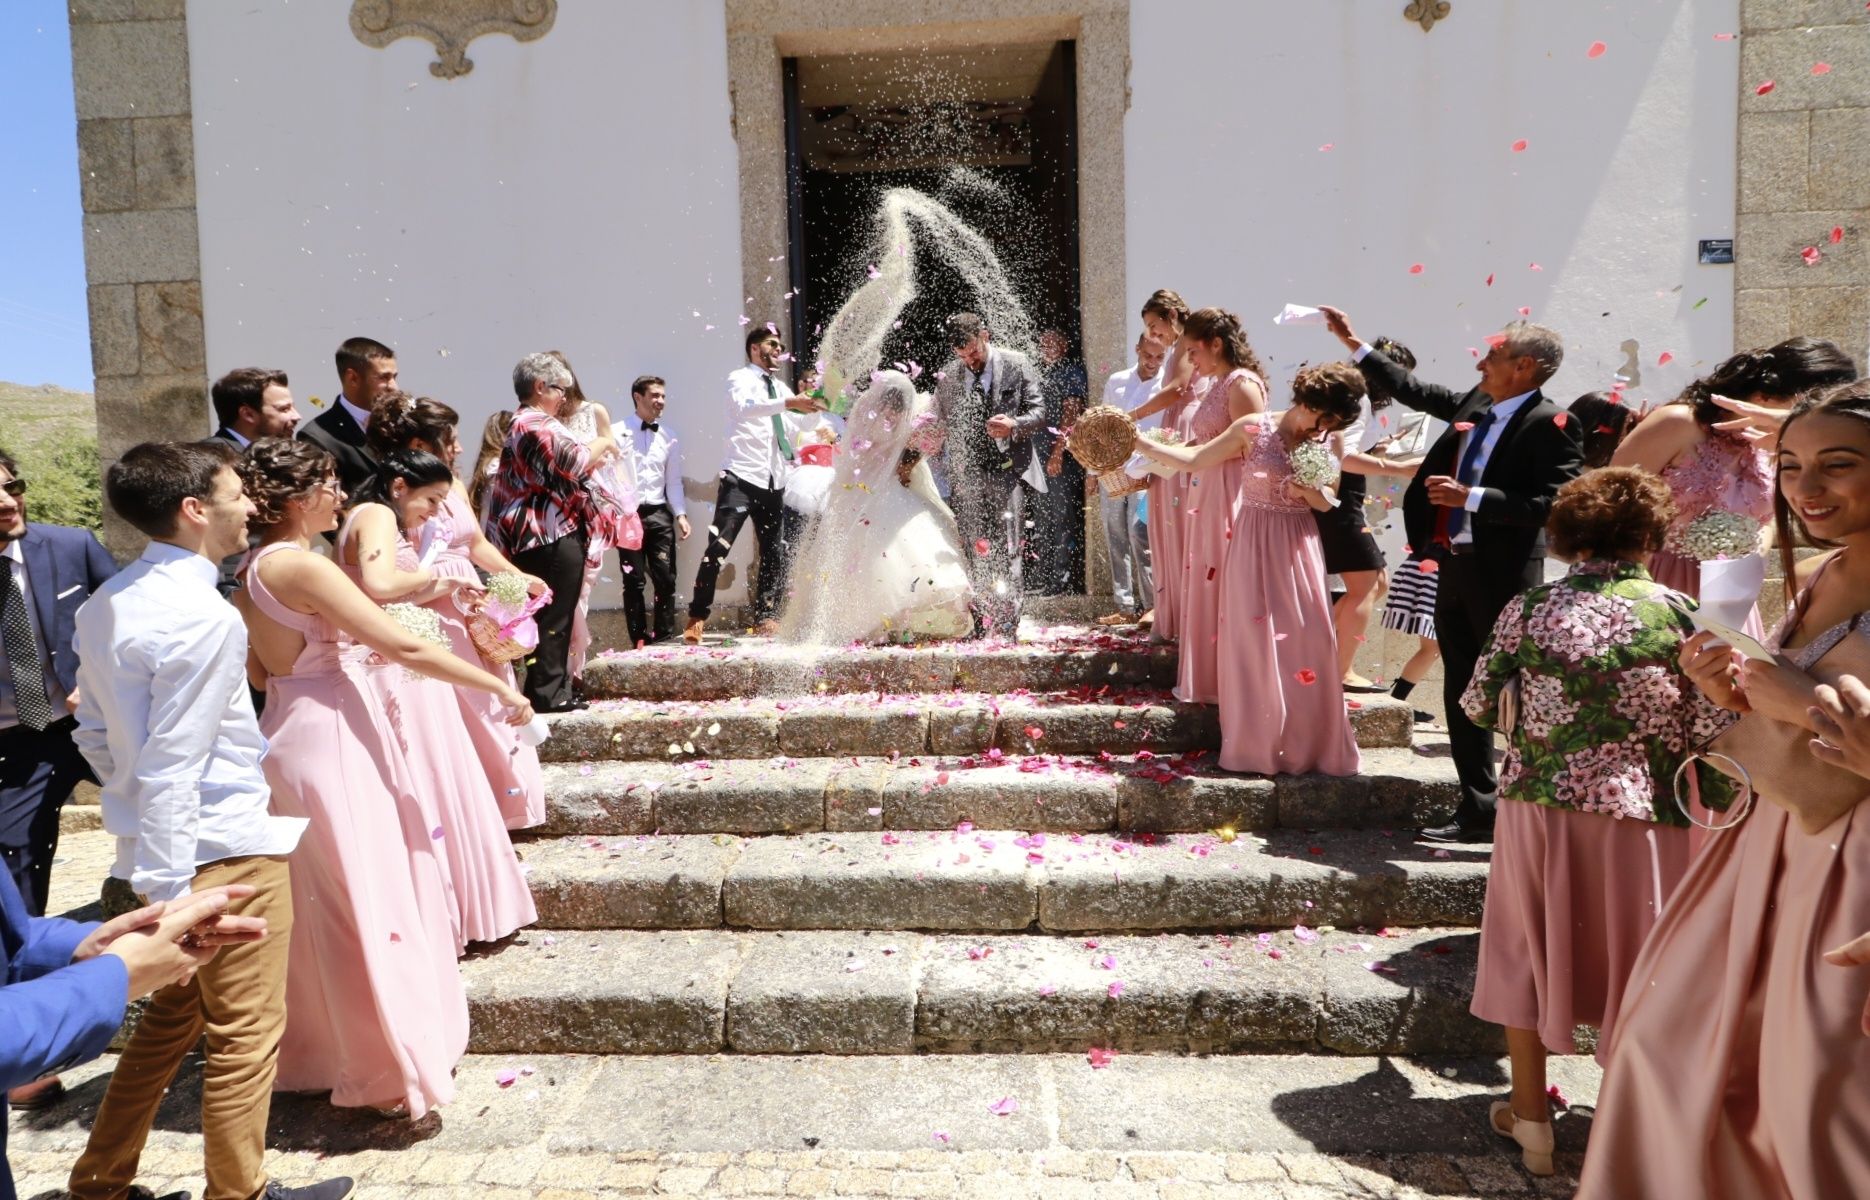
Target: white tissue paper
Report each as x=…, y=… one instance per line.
x=534, y=732
x=1299, y=314
x=1730, y=587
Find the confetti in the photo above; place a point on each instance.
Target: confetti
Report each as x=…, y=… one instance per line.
x=1100, y=1058
x=506, y=1078
x=1004, y=1106
x=1596, y=51
x=1700, y=302
x=1812, y=255
x=1489, y=280
x=982, y=547
x=1723, y=37
x=1837, y=234
x=1821, y=68
x=1665, y=358
x=1115, y=989
x=1764, y=88
x=1463, y=426
x=1525, y=311
x=1327, y=147
x=1306, y=676
x=942, y=1136
x=1560, y=419
x=1415, y=268
x=1519, y=147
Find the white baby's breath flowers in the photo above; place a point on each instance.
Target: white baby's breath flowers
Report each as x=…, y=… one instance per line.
x=1719, y=534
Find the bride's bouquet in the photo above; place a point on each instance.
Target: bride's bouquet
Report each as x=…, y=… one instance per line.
x=1313, y=467
x=1719, y=534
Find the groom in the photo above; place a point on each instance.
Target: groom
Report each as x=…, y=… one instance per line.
x=989, y=407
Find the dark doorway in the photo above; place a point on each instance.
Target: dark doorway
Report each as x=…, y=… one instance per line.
x=991, y=132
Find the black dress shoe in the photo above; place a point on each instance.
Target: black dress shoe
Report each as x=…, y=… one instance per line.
x=573, y=705
x=340, y=1188
x=1457, y=832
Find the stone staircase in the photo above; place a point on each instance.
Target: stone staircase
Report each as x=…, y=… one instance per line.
x=971, y=850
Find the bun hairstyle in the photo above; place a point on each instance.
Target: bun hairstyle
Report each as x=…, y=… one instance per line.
x=275, y=470
x=1843, y=400
x=1789, y=369
x=1619, y=512
x=1206, y=324
x=1168, y=305
x=1397, y=353
x=414, y=467
x=1603, y=423
x=1334, y=390
x=400, y=419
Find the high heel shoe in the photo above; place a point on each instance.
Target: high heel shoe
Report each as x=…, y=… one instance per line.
x=1534, y=1137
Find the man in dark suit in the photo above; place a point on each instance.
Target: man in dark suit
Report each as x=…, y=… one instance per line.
x=1483, y=490
x=250, y=403
x=989, y=405
x=49, y=571
x=366, y=374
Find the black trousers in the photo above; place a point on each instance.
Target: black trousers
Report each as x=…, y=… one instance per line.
x=561, y=565
x=38, y=770
x=734, y=503
x=652, y=566
x=1469, y=598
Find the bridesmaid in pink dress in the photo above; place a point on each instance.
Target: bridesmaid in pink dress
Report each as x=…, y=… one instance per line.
x=377, y=1015
x=1164, y=315
x=401, y=422
x=1739, y=1062
x=1282, y=702
x=1228, y=387
x=492, y=898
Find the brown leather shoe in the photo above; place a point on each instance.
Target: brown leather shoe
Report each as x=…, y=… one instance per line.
x=31, y=1097
x=692, y=634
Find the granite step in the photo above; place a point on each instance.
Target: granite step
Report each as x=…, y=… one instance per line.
x=1400, y=787
x=968, y=879
x=712, y=991
x=1114, y=721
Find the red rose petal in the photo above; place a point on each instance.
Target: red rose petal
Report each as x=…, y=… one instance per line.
x=1415, y=268
x=982, y=547
x=1764, y=88
x=1596, y=51
x=1811, y=255
x=1723, y=37
x=1519, y=146
x=1821, y=68
x=1524, y=311
x=1560, y=419
x=1428, y=566
x=1837, y=234
x=1664, y=359
x=1306, y=676
x=1463, y=426
x=1490, y=280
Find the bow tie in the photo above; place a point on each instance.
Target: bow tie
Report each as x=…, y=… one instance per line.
x=651, y=426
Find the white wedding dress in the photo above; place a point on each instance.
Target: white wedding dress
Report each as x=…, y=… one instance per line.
x=883, y=563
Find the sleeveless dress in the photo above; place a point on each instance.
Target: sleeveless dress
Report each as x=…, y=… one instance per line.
x=1166, y=493
x=489, y=889
x=1722, y=473
x=375, y=1011
x=1738, y=1065
x=512, y=767
x=1208, y=509
x=1282, y=701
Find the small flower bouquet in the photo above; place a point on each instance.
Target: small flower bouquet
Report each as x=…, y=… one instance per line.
x=1313, y=467
x=1141, y=465
x=424, y=623
x=507, y=590
x=501, y=625
x=1163, y=437
x=1720, y=534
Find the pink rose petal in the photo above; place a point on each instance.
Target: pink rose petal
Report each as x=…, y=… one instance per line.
x=1100, y=1057
x=1004, y=1106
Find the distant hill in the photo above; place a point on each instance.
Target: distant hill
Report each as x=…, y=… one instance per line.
x=30, y=414
x=52, y=434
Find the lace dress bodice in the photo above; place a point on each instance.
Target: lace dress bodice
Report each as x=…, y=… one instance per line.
x=1720, y=474
x=1268, y=466
x=583, y=423
x=1210, y=417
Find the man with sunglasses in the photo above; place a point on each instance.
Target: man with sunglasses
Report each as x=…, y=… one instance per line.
x=49, y=571
x=760, y=455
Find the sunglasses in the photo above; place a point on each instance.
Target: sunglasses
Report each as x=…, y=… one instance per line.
x=14, y=487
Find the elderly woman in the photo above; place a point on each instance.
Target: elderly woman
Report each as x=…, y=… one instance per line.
x=1583, y=676
x=540, y=513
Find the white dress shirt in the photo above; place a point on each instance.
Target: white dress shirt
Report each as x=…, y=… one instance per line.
x=752, y=454
x=1126, y=389
x=658, y=455
x=239, y=441
x=359, y=415
x=165, y=720
x=13, y=558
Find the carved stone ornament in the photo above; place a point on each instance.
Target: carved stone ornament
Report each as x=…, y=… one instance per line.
x=1426, y=12
x=450, y=25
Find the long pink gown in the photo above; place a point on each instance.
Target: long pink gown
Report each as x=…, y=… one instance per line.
x=1166, y=494
x=1282, y=701
x=375, y=1009
x=1738, y=1066
x=490, y=893
x=512, y=767
x=1208, y=514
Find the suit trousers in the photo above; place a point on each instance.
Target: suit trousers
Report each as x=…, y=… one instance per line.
x=733, y=504
x=989, y=512
x=651, y=566
x=38, y=770
x=1469, y=598
x=561, y=565
x=1126, y=538
x=238, y=1001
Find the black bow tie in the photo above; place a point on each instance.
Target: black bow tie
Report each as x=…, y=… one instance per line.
x=651, y=426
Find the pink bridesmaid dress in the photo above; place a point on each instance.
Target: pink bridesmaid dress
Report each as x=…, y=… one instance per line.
x=1738, y=1066
x=1282, y=702
x=488, y=886
x=512, y=767
x=1208, y=515
x=1721, y=474
x=1166, y=494
x=376, y=1014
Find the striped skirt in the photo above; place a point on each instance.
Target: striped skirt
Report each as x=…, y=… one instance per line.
x=1411, y=604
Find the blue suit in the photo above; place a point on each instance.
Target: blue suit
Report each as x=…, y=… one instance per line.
x=54, y=1013
x=38, y=770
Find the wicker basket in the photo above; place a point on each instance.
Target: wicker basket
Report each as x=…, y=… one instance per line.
x=1119, y=483
x=484, y=632
x=1103, y=439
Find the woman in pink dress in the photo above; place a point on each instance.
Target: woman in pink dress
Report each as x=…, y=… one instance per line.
x=1228, y=386
x=487, y=884
x=376, y=1012
x=401, y=422
x=1738, y=1065
x=1164, y=315
x=1282, y=702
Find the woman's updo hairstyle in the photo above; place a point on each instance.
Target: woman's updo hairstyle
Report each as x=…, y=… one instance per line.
x=416, y=468
x=1789, y=369
x=400, y=419
x=1206, y=324
x=1603, y=423
x=1334, y=390
x=275, y=470
x=1615, y=512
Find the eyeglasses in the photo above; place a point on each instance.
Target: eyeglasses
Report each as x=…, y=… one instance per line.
x=14, y=487
x=329, y=485
x=560, y=388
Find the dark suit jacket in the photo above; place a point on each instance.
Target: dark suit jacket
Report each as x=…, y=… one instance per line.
x=229, y=583
x=1535, y=456
x=1015, y=393
x=334, y=431
x=63, y=567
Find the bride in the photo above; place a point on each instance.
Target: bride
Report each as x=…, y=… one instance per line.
x=883, y=563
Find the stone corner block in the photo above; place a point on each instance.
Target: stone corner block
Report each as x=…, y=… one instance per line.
x=137, y=247
x=107, y=165
x=130, y=68
x=169, y=327
x=165, y=162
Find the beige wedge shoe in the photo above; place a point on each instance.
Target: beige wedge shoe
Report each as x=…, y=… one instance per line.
x=1534, y=1137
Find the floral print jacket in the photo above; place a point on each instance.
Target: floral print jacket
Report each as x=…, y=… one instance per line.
x=1606, y=716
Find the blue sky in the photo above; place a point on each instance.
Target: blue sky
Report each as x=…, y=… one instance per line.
x=44, y=328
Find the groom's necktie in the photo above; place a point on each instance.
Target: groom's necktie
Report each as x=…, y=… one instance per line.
x=779, y=423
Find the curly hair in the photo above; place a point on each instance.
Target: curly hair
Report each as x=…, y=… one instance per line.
x=275, y=470
x=1844, y=400
x=400, y=419
x=1168, y=305
x=1205, y=324
x=1617, y=512
x=1334, y=390
x=1787, y=370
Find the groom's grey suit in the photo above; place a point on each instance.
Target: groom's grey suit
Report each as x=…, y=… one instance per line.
x=984, y=476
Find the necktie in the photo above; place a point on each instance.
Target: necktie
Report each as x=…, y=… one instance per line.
x=1457, y=517
x=22, y=655
x=779, y=423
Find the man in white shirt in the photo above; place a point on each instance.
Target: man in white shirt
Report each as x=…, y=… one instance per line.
x=663, y=506
x=366, y=373
x=165, y=721
x=1126, y=526
x=760, y=455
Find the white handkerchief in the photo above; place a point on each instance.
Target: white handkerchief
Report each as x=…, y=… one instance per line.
x=1299, y=314
x=1730, y=587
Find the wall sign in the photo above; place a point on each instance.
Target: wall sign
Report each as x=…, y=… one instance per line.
x=1717, y=250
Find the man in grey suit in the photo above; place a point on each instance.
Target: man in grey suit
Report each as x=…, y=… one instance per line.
x=989, y=406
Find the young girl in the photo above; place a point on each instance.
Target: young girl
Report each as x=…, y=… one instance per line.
x=1282, y=705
